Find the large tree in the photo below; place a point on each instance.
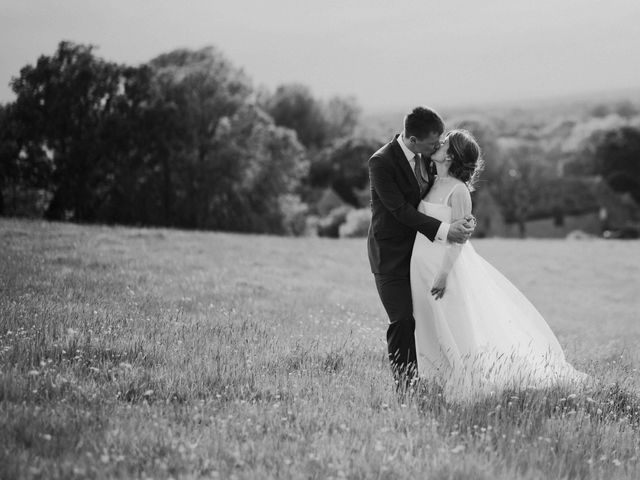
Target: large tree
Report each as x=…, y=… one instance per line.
x=138, y=136
x=615, y=155
x=201, y=87
x=316, y=123
x=293, y=106
x=25, y=167
x=60, y=104
x=519, y=185
x=9, y=154
x=263, y=165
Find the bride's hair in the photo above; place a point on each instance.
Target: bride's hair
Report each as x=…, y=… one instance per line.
x=467, y=160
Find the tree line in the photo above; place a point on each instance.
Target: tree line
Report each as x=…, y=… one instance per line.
x=185, y=140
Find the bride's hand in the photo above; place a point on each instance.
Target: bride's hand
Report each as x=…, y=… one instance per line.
x=439, y=286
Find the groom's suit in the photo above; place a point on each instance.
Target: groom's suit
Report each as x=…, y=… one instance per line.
x=395, y=196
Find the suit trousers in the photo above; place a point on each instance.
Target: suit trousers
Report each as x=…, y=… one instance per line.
x=395, y=293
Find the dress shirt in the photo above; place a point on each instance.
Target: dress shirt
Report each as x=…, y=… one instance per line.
x=443, y=231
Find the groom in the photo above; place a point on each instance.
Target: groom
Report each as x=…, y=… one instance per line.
x=400, y=177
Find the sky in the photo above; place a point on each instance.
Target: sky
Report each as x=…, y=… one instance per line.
x=386, y=54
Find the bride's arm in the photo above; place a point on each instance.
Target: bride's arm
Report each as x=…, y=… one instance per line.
x=460, y=201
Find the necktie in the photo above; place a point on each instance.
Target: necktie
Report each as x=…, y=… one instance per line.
x=418, y=171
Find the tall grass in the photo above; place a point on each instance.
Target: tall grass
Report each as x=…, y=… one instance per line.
x=156, y=353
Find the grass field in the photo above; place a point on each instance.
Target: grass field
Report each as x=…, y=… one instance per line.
x=158, y=353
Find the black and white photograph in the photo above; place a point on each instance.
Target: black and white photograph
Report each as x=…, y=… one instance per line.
x=342, y=240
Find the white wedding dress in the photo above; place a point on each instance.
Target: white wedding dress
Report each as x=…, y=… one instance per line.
x=483, y=335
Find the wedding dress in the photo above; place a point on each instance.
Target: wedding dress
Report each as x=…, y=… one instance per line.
x=483, y=335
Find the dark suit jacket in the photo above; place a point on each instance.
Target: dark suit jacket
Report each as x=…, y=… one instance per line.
x=395, y=196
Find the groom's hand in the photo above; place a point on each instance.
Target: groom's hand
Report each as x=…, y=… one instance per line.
x=461, y=230
x=470, y=221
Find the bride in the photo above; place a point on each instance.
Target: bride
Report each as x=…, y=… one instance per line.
x=475, y=332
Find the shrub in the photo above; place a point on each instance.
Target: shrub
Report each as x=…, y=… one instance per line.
x=356, y=224
x=329, y=226
x=294, y=214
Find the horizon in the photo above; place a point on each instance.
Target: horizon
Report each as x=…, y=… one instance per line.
x=588, y=97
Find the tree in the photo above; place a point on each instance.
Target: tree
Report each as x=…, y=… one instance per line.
x=263, y=166
x=138, y=135
x=293, y=106
x=343, y=167
x=518, y=188
x=316, y=123
x=615, y=155
x=341, y=116
x=9, y=152
x=201, y=87
x=24, y=165
x=626, y=109
x=59, y=107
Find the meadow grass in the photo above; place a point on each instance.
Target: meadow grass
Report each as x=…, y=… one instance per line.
x=154, y=353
